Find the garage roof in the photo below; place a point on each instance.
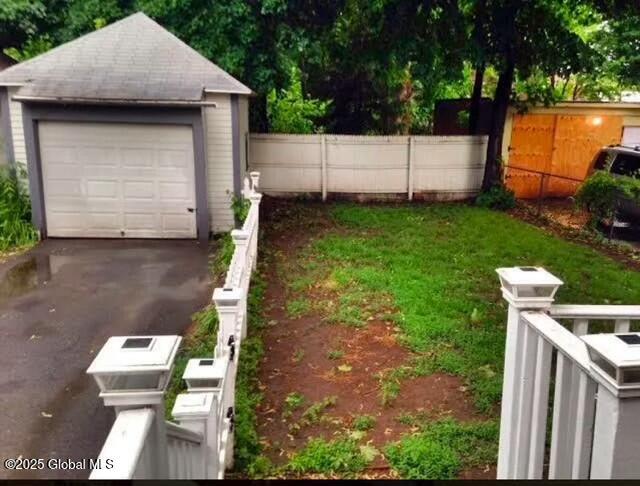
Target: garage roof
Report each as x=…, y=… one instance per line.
x=134, y=59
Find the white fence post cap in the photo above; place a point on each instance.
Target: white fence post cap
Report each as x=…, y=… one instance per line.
x=528, y=287
x=227, y=298
x=615, y=359
x=134, y=370
x=205, y=374
x=193, y=406
x=239, y=235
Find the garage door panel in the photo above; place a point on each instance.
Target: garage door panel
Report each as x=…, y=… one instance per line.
x=110, y=180
x=103, y=189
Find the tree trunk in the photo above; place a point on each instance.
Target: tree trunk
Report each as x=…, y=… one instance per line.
x=492, y=169
x=476, y=98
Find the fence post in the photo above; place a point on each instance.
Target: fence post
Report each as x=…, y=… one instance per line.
x=255, y=198
x=410, y=164
x=323, y=162
x=524, y=288
x=117, y=371
x=227, y=302
x=199, y=412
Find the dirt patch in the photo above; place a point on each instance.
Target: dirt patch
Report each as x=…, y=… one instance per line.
x=560, y=218
x=335, y=368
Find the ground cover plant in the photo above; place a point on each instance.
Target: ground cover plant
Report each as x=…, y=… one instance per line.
x=405, y=327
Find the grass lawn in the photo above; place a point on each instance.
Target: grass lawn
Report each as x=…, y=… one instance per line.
x=438, y=263
x=429, y=270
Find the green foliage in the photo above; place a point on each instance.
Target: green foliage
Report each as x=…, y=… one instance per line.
x=15, y=213
x=364, y=422
x=339, y=456
x=292, y=402
x=240, y=207
x=289, y=111
x=335, y=354
x=601, y=193
x=248, y=396
x=444, y=448
x=313, y=414
x=498, y=197
x=298, y=307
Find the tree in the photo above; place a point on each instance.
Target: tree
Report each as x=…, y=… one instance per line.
x=521, y=37
x=19, y=20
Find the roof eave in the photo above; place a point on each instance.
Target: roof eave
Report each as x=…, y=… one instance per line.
x=113, y=101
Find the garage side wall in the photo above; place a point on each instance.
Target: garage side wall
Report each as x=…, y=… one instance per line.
x=17, y=132
x=244, y=134
x=218, y=137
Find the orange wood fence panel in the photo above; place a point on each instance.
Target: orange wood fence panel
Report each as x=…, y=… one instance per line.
x=531, y=148
x=562, y=145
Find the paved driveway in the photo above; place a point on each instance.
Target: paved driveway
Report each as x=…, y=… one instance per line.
x=58, y=305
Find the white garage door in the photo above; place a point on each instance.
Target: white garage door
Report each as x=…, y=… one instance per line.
x=111, y=180
x=631, y=136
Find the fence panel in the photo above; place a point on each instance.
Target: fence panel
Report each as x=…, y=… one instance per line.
x=432, y=166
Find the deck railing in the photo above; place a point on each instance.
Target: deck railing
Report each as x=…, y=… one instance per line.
x=595, y=418
x=199, y=445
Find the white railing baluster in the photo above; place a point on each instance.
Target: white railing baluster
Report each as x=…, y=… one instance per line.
x=580, y=327
x=584, y=419
x=540, y=409
x=561, y=454
x=527, y=369
x=622, y=325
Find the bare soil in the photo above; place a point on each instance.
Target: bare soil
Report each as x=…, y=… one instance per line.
x=296, y=360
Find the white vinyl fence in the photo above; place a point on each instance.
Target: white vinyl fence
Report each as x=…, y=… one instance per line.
x=595, y=403
x=133, y=373
x=429, y=167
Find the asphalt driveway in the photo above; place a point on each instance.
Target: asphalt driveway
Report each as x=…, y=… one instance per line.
x=58, y=305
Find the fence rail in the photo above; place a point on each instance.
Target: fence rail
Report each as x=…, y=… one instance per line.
x=437, y=167
x=199, y=445
x=543, y=355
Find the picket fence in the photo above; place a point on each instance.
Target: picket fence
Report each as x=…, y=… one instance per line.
x=595, y=429
x=425, y=167
x=199, y=444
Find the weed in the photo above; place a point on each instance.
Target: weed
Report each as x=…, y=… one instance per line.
x=335, y=354
x=16, y=229
x=364, y=422
x=298, y=307
x=339, y=456
x=292, y=402
x=240, y=207
x=298, y=356
x=313, y=414
x=442, y=449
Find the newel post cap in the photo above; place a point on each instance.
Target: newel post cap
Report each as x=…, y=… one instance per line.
x=528, y=287
x=615, y=359
x=193, y=406
x=227, y=297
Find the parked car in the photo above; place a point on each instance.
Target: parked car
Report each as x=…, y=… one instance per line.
x=621, y=160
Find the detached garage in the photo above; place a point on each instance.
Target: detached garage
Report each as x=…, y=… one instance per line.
x=126, y=132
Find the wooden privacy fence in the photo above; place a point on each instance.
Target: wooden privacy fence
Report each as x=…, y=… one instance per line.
x=431, y=167
x=595, y=402
x=560, y=146
x=133, y=373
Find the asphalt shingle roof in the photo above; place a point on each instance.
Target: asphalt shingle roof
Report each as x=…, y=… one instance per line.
x=132, y=59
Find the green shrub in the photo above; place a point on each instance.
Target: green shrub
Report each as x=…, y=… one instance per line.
x=498, y=197
x=15, y=213
x=337, y=456
x=290, y=112
x=600, y=194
